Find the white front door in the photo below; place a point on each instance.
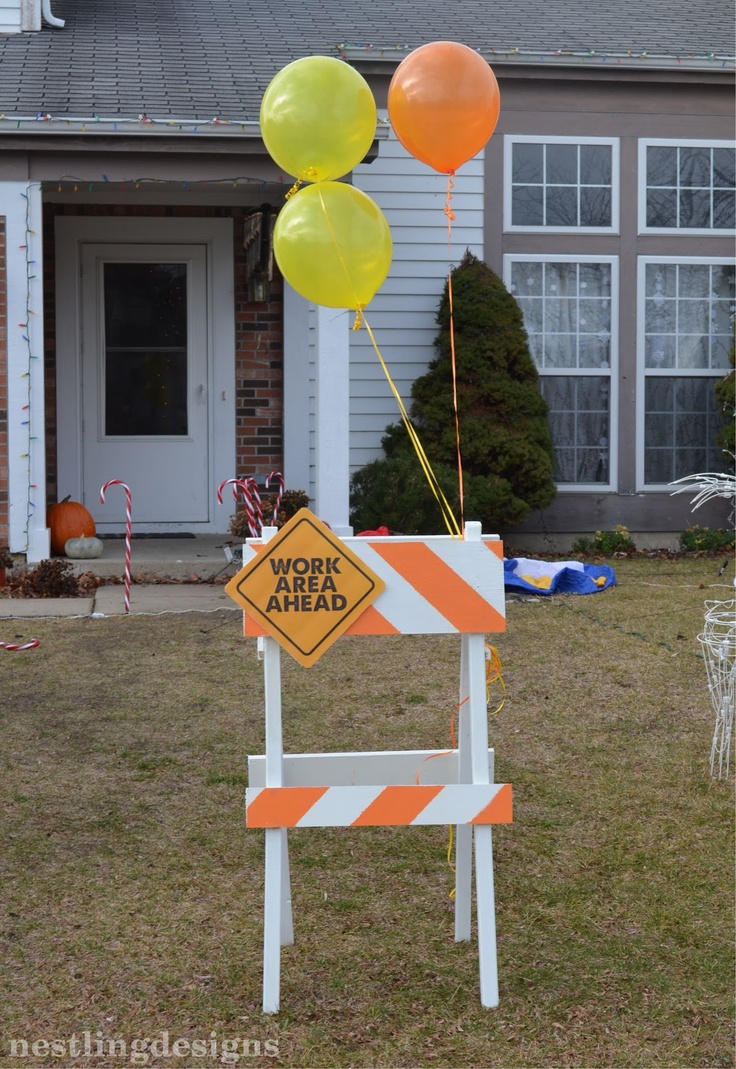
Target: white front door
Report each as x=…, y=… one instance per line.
x=143, y=306
x=145, y=396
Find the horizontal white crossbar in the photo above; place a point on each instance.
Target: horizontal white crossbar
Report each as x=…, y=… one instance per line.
x=377, y=767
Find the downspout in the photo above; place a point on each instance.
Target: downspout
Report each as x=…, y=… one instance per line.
x=48, y=17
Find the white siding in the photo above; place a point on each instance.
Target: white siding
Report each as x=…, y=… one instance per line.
x=402, y=314
x=9, y=17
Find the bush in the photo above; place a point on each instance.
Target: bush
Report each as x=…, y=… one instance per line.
x=291, y=502
x=606, y=543
x=504, y=429
x=705, y=538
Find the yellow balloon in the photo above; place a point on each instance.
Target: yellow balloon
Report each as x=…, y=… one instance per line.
x=318, y=118
x=333, y=245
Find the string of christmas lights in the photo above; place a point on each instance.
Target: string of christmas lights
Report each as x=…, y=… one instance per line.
x=118, y=121
x=28, y=335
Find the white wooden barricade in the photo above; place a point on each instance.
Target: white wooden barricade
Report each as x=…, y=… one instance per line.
x=383, y=788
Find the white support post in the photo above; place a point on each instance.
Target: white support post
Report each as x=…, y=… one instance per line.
x=332, y=441
x=277, y=921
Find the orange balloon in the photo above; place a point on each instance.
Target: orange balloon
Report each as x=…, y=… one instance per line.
x=443, y=104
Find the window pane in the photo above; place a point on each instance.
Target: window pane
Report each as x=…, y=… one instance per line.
x=660, y=316
x=527, y=162
x=145, y=304
x=594, y=351
x=560, y=278
x=695, y=208
x=724, y=168
x=662, y=207
x=661, y=165
x=724, y=210
x=661, y=280
x=527, y=206
x=532, y=310
x=594, y=316
x=562, y=206
x=562, y=164
x=694, y=166
x=595, y=207
x=694, y=280
x=693, y=317
x=692, y=351
x=526, y=278
x=595, y=280
x=560, y=350
x=595, y=165
x=660, y=350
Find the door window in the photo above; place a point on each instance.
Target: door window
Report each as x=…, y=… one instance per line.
x=145, y=350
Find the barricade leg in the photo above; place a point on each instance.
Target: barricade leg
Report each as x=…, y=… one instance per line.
x=474, y=646
x=272, y=920
x=277, y=919
x=464, y=832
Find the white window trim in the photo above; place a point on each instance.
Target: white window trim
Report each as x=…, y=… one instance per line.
x=511, y=139
x=511, y=258
x=642, y=373
x=681, y=231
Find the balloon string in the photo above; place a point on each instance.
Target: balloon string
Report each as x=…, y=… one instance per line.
x=356, y=303
x=450, y=216
x=294, y=189
x=447, y=513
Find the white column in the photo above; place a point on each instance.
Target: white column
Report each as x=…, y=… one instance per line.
x=20, y=203
x=298, y=391
x=332, y=430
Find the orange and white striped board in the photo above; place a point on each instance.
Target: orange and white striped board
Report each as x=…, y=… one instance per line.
x=434, y=585
x=373, y=806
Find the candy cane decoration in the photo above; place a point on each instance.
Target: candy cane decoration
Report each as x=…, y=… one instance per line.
x=255, y=508
x=242, y=483
x=14, y=646
x=118, y=482
x=276, y=475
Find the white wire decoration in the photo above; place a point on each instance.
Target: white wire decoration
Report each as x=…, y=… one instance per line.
x=718, y=639
x=719, y=652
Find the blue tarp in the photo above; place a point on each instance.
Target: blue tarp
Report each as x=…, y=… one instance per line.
x=556, y=577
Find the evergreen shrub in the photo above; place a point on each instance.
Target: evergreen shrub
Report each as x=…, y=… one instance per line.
x=506, y=446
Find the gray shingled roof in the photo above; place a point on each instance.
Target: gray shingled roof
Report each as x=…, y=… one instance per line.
x=198, y=59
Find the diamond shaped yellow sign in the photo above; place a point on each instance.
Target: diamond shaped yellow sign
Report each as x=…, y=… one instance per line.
x=305, y=587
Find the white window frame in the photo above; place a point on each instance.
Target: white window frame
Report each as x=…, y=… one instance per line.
x=612, y=370
x=642, y=372
x=672, y=142
x=545, y=139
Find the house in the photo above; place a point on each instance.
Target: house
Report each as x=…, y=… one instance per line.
x=145, y=333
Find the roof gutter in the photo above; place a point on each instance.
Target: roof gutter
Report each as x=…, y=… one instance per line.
x=497, y=57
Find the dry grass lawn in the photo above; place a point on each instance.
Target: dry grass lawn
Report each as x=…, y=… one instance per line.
x=131, y=893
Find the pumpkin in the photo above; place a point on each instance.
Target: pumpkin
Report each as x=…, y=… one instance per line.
x=68, y=519
x=83, y=548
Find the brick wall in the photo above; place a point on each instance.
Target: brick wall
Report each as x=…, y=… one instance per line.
x=258, y=345
x=4, y=519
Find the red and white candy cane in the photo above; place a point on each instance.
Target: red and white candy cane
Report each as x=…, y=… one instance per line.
x=235, y=483
x=256, y=509
x=13, y=647
x=241, y=484
x=118, y=482
x=276, y=475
